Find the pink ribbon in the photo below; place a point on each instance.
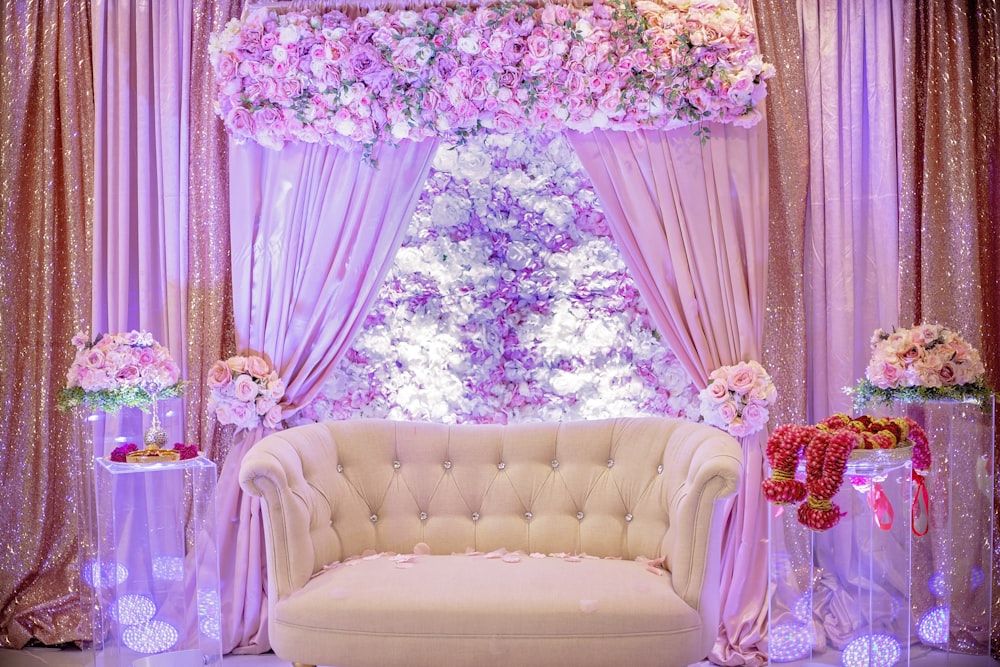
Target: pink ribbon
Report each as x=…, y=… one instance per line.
x=881, y=507
x=920, y=512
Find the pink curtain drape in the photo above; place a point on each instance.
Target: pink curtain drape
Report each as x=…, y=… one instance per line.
x=691, y=220
x=142, y=55
x=852, y=55
x=314, y=231
x=853, y=63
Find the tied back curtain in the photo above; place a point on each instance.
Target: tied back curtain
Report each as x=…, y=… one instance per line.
x=314, y=230
x=691, y=221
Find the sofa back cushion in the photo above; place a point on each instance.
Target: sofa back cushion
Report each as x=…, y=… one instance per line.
x=596, y=487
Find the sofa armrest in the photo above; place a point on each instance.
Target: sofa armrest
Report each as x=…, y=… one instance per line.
x=708, y=466
x=296, y=514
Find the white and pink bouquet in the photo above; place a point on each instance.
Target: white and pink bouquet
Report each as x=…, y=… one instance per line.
x=119, y=370
x=737, y=398
x=924, y=362
x=246, y=391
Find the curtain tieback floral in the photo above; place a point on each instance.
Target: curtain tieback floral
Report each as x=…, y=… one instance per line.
x=737, y=398
x=246, y=391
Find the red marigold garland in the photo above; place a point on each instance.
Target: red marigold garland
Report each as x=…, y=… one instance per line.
x=826, y=461
x=827, y=448
x=783, y=449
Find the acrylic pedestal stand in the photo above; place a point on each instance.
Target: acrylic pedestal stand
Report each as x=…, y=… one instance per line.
x=843, y=596
x=952, y=565
x=149, y=559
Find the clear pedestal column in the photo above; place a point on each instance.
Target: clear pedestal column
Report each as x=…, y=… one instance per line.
x=952, y=565
x=842, y=596
x=148, y=549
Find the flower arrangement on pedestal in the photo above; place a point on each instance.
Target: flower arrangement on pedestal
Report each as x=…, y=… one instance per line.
x=508, y=302
x=245, y=391
x=449, y=71
x=827, y=448
x=924, y=362
x=122, y=370
x=737, y=398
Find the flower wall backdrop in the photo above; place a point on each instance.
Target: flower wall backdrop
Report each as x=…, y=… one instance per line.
x=509, y=301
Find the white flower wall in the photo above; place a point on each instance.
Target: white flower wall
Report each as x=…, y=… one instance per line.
x=509, y=301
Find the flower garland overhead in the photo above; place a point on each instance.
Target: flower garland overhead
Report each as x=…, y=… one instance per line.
x=245, y=391
x=508, y=67
x=737, y=398
x=508, y=302
x=827, y=448
x=121, y=370
x=924, y=362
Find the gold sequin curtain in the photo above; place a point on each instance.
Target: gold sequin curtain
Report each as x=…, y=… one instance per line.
x=211, y=334
x=788, y=163
x=46, y=186
x=950, y=190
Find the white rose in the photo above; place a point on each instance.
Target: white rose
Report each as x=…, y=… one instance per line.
x=474, y=164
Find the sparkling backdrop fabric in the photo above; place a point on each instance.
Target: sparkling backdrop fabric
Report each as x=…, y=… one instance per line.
x=46, y=185
x=950, y=193
x=210, y=331
x=788, y=164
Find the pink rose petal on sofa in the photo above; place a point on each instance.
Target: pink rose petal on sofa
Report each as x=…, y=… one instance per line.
x=535, y=554
x=404, y=565
x=572, y=559
x=511, y=558
x=421, y=549
x=588, y=606
x=655, y=570
x=499, y=553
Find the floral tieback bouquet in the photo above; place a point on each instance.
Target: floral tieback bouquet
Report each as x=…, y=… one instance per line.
x=113, y=371
x=827, y=448
x=737, y=398
x=246, y=391
x=924, y=362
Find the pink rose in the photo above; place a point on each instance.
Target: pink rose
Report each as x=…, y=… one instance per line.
x=219, y=376
x=240, y=122
x=128, y=374
x=884, y=375
x=244, y=388
x=264, y=404
x=755, y=416
x=237, y=364
x=244, y=415
x=739, y=428
x=273, y=417
x=728, y=412
x=717, y=391
x=258, y=367
x=741, y=378
x=948, y=374
x=275, y=385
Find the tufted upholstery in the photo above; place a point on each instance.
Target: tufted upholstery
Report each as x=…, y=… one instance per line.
x=643, y=488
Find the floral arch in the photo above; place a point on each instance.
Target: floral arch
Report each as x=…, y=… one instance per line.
x=356, y=106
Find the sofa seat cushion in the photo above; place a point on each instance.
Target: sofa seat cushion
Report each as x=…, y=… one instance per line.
x=487, y=610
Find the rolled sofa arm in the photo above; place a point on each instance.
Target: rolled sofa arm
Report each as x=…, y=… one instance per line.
x=708, y=468
x=296, y=514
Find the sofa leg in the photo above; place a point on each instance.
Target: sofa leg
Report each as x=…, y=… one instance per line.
x=302, y=664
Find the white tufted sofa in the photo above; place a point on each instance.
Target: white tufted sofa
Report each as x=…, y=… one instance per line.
x=580, y=543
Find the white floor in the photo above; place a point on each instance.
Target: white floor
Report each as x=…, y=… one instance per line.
x=51, y=657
